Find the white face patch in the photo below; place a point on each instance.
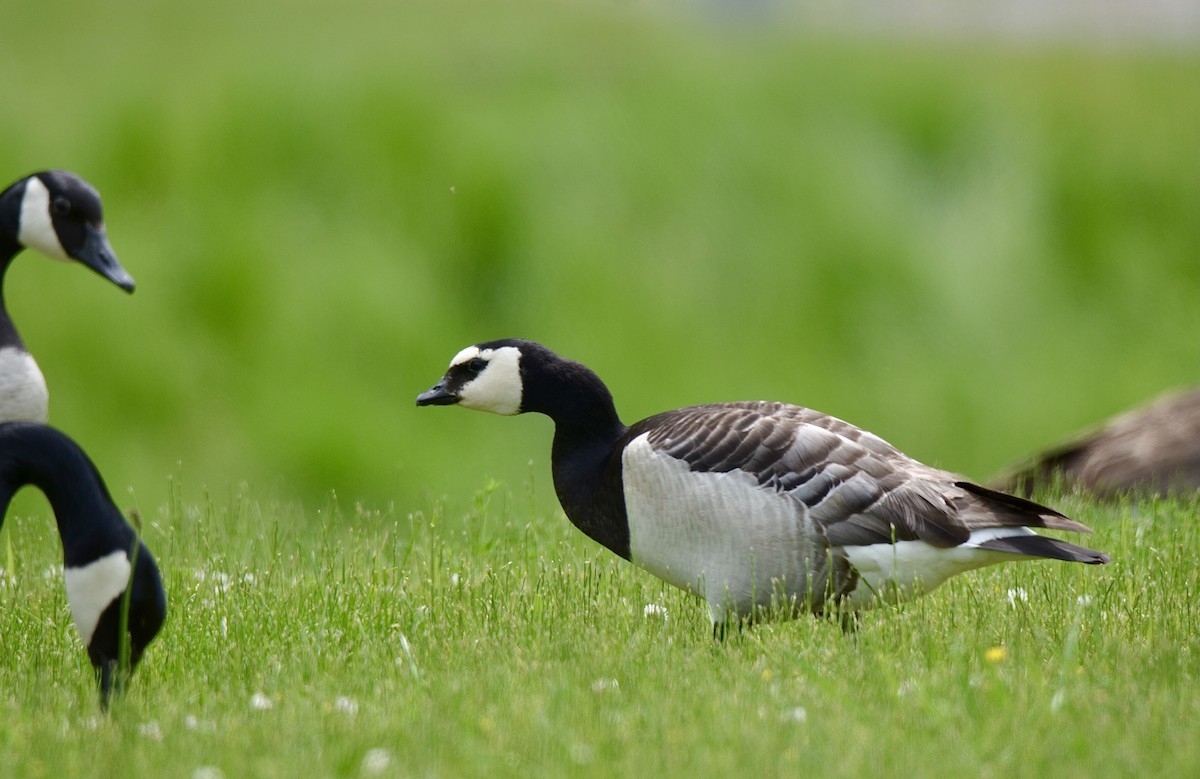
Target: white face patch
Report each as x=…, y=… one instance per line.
x=470, y=353
x=36, y=229
x=23, y=394
x=498, y=386
x=93, y=587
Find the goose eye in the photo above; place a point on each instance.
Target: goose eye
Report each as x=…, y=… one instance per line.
x=476, y=365
x=61, y=206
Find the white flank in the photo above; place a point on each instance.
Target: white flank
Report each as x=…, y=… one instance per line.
x=36, y=229
x=715, y=534
x=23, y=394
x=907, y=569
x=498, y=387
x=92, y=587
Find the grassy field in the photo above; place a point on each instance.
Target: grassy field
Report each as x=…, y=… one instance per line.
x=508, y=645
x=972, y=248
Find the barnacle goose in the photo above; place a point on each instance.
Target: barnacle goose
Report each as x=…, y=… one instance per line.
x=756, y=504
x=1151, y=449
x=102, y=555
x=58, y=214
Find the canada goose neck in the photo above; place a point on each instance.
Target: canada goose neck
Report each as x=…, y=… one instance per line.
x=77, y=494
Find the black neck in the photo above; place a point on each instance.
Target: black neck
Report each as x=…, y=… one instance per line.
x=8, y=331
x=33, y=454
x=586, y=431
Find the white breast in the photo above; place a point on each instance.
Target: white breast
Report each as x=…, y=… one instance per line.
x=23, y=394
x=718, y=535
x=93, y=587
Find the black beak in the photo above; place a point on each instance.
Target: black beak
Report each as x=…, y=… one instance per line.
x=98, y=255
x=108, y=674
x=437, y=395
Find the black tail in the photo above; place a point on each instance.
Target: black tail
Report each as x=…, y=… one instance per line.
x=1040, y=546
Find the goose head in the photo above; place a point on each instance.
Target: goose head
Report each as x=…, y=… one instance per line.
x=58, y=214
x=99, y=623
x=486, y=377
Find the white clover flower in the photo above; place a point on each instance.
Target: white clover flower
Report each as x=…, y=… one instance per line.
x=376, y=761
x=151, y=730
x=605, y=685
x=795, y=714
x=347, y=706
x=655, y=610
x=261, y=702
x=1017, y=594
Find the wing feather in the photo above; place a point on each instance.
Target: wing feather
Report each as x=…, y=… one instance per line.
x=855, y=486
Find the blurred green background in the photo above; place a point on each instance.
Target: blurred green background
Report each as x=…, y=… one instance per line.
x=971, y=247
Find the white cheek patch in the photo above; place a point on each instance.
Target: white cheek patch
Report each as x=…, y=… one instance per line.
x=23, y=394
x=498, y=387
x=470, y=353
x=36, y=229
x=93, y=587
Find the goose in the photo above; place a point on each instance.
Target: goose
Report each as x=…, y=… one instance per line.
x=1152, y=449
x=103, y=556
x=762, y=509
x=58, y=214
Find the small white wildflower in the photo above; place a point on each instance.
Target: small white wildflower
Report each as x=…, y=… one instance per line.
x=605, y=685
x=1017, y=594
x=224, y=628
x=208, y=772
x=655, y=610
x=1084, y=600
x=151, y=730
x=247, y=578
x=376, y=761
x=261, y=702
x=795, y=714
x=347, y=706
x=190, y=722
x=453, y=580
x=582, y=754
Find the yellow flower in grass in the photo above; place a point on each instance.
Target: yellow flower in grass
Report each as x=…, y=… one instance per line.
x=996, y=654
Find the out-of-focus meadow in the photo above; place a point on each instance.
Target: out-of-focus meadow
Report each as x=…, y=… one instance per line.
x=971, y=248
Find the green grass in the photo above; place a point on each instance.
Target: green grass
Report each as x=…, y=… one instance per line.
x=504, y=643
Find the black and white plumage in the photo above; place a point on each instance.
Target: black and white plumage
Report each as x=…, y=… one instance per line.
x=102, y=555
x=58, y=214
x=753, y=504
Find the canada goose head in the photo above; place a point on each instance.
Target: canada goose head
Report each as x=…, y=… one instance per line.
x=99, y=624
x=487, y=377
x=111, y=578
x=59, y=215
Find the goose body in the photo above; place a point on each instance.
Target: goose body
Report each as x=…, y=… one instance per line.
x=755, y=504
x=1154, y=448
x=102, y=555
x=59, y=215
